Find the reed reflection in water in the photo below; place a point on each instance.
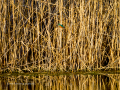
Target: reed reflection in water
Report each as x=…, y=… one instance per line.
x=61, y=82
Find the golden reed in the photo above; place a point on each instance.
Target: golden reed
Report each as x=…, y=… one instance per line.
x=31, y=40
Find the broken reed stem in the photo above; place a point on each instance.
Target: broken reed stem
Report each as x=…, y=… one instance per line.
x=30, y=34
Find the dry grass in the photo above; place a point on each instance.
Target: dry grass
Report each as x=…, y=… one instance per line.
x=30, y=39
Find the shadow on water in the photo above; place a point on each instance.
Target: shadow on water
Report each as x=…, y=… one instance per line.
x=76, y=81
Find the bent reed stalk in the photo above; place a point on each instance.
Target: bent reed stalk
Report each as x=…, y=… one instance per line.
x=31, y=40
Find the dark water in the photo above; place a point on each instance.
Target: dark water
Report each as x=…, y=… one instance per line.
x=60, y=82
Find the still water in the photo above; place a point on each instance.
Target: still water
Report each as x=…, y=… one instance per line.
x=60, y=82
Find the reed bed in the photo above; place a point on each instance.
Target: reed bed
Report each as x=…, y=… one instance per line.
x=31, y=40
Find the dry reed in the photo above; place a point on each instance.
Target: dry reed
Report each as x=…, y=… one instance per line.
x=30, y=39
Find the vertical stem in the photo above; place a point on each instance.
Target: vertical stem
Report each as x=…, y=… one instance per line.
x=0, y=35
x=38, y=43
x=41, y=27
x=101, y=29
x=97, y=42
x=74, y=38
x=57, y=42
x=70, y=20
x=32, y=35
x=119, y=31
x=13, y=32
x=60, y=11
x=115, y=26
x=60, y=32
x=49, y=41
x=113, y=37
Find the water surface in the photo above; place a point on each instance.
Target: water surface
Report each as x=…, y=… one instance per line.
x=72, y=81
